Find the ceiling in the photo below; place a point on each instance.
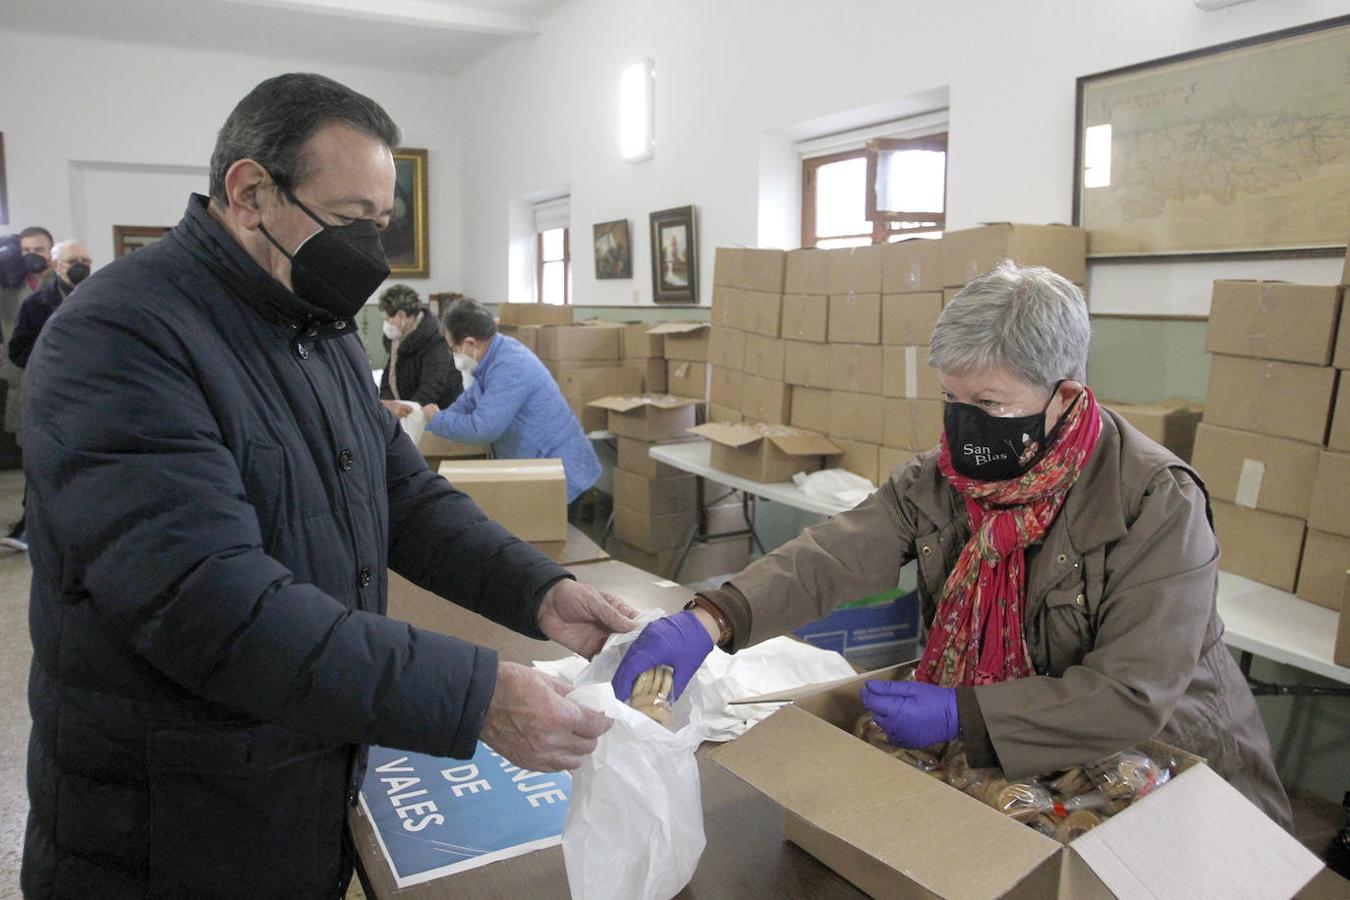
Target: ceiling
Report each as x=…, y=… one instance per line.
x=433, y=36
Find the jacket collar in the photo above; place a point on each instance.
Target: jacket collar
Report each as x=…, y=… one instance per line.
x=1093, y=513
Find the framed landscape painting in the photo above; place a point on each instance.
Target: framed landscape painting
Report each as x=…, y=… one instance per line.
x=613, y=252
x=405, y=240
x=674, y=256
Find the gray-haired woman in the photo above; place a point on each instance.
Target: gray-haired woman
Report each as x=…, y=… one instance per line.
x=1067, y=566
x=420, y=369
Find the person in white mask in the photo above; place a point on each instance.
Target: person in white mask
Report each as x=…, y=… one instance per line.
x=419, y=368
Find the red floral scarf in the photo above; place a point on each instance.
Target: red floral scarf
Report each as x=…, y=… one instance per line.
x=976, y=636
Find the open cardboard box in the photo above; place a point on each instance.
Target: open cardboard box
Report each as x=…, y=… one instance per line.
x=895, y=832
x=765, y=453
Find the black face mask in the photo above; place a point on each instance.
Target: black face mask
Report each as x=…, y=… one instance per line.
x=990, y=448
x=76, y=272
x=34, y=263
x=339, y=266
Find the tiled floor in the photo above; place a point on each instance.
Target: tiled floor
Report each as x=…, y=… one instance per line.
x=15, y=653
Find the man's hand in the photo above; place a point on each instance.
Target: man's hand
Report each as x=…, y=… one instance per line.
x=430, y=410
x=680, y=641
x=402, y=410
x=912, y=713
x=532, y=723
x=581, y=617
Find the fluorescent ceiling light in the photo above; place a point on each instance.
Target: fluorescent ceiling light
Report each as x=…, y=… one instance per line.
x=637, y=118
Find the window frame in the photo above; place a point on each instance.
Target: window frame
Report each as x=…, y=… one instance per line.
x=566, y=261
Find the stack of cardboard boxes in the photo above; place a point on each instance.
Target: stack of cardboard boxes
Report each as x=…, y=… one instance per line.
x=587, y=362
x=1273, y=457
x=746, y=349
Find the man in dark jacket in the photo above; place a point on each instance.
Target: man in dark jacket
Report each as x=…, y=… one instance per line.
x=71, y=262
x=216, y=496
x=420, y=369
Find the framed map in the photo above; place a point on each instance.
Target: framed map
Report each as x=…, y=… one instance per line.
x=1235, y=149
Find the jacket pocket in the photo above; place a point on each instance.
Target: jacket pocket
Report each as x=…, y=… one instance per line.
x=243, y=811
x=263, y=471
x=1064, y=630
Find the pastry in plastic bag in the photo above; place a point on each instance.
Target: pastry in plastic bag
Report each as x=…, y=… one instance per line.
x=1127, y=775
x=651, y=694
x=1023, y=801
x=1077, y=822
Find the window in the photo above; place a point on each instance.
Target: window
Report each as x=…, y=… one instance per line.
x=887, y=189
x=555, y=266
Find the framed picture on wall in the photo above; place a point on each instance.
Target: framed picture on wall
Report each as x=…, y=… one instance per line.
x=129, y=238
x=674, y=256
x=1238, y=148
x=405, y=240
x=613, y=252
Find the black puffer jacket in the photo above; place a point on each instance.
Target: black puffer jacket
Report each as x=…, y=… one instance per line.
x=426, y=371
x=214, y=496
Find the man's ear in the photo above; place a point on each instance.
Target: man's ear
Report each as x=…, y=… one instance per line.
x=247, y=187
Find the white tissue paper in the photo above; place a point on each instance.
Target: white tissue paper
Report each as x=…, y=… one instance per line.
x=414, y=422
x=835, y=484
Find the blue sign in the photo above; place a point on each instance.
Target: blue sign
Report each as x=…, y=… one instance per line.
x=871, y=635
x=435, y=817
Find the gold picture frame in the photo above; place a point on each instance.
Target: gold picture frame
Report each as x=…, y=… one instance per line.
x=406, y=241
x=129, y=238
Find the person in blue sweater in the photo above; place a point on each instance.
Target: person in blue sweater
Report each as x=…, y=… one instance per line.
x=513, y=403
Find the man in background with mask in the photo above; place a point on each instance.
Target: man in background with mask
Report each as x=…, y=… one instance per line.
x=216, y=496
x=70, y=262
x=510, y=400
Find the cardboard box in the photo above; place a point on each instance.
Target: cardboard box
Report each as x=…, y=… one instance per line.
x=1274, y=320
x=1341, y=653
x=728, y=386
x=588, y=417
x=856, y=417
x=654, y=496
x=1329, y=509
x=870, y=633
x=856, y=368
x=1277, y=398
x=640, y=343
x=587, y=384
x=858, y=457
x=756, y=312
x=909, y=319
x=726, y=348
x=749, y=268
x=905, y=373
x=731, y=415
x=1255, y=471
x=651, y=372
x=1321, y=574
x=1195, y=836
x=581, y=342
x=949, y=294
x=765, y=400
x=435, y=448
x=725, y=556
x=560, y=367
x=1171, y=422
x=807, y=364
x=724, y=300
x=855, y=318
x=912, y=266
x=635, y=456
x=526, y=496
x=889, y=459
x=687, y=379
x=764, y=357
x=1259, y=545
x=533, y=314
x=648, y=417
x=1341, y=358
x=855, y=270
x=974, y=251
x=526, y=334
x=810, y=409
x=806, y=317
x=807, y=272
x=912, y=424
x=1339, y=437
x=653, y=534
x=684, y=340
x=765, y=453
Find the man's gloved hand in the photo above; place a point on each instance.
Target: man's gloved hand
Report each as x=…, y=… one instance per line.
x=679, y=641
x=912, y=713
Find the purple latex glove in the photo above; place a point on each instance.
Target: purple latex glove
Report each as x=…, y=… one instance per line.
x=912, y=713
x=679, y=641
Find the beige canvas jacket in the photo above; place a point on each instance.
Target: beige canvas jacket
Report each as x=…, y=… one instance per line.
x=1120, y=613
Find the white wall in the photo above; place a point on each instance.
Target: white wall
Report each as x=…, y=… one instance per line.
x=100, y=133
x=732, y=77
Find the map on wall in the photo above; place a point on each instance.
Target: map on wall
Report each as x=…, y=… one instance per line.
x=1229, y=150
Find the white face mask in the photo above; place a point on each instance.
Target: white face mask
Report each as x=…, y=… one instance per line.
x=391, y=330
x=465, y=364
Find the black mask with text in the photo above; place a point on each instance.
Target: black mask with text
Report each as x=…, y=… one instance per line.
x=993, y=448
x=338, y=267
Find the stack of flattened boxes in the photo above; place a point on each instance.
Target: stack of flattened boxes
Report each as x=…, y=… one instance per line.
x=745, y=348
x=1280, y=491
x=587, y=362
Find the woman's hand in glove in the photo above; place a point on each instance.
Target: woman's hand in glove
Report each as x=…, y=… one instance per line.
x=912, y=713
x=680, y=641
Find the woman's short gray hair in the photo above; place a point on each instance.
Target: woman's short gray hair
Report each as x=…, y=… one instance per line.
x=1025, y=319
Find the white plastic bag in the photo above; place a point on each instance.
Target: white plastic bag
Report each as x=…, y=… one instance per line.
x=634, y=825
x=835, y=484
x=414, y=422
